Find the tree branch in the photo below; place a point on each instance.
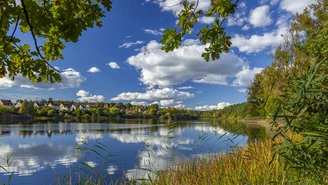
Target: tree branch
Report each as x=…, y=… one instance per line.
x=34, y=37
x=12, y=35
x=226, y=18
x=196, y=5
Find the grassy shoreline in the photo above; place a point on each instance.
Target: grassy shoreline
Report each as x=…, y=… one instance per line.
x=256, y=122
x=254, y=163
x=251, y=164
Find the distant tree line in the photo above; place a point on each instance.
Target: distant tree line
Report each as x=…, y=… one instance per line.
x=101, y=109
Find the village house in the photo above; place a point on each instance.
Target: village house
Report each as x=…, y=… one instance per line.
x=90, y=106
x=39, y=104
x=53, y=105
x=6, y=103
x=68, y=107
x=73, y=107
x=19, y=103
x=64, y=106
x=82, y=107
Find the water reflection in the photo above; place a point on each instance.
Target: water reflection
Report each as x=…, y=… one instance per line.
x=38, y=149
x=30, y=158
x=162, y=148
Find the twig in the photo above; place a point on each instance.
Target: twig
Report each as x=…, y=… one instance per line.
x=34, y=37
x=12, y=35
x=226, y=18
x=19, y=48
x=196, y=5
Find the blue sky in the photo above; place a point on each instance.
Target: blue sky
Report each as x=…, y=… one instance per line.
x=122, y=61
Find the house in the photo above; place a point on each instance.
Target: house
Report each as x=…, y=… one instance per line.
x=91, y=105
x=68, y=107
x=82, y=107
x=53, y=105
x=19, y=103
x=39, y=104
x=64, y=106
x=6, y=103
x=73, y=107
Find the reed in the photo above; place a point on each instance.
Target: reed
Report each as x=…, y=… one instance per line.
x=255, y=163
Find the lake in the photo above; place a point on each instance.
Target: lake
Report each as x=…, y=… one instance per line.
x=44, y=152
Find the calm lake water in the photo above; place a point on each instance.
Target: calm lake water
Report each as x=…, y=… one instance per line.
x=43, y=151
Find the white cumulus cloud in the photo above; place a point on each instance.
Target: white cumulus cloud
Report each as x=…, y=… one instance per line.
x=239, y=17
x=274, y=2
x=245, y=27
x=179, y=106
x=245, y=77
x=166, y=103
x=94, y=70
x=175, y=6
x=206, y=20
x=86, y=96
x=162, y=103
x=139, y=103
x=183, y=64
x=113, y=65
x=153, y=95
x=220, y=105
x=260, y=16
x=185, y=87
x=257, y=43
x=295, y=6
x=242, y=90
x=6, y=83
x=283, y=21
x=130, y=44
x=153, y=32
x=70, y=79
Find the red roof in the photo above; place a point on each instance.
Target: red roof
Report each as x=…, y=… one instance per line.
x=67, y=105
x=53, y=104
x=40, y=104
x=6, y=102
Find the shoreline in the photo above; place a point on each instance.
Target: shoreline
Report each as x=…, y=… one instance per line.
x=27, y=118
x=256, y=122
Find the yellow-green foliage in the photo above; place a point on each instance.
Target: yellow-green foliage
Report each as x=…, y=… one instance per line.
x=248, y=165
x=305, y=45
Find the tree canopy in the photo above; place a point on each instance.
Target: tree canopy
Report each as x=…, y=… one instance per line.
x=213, y=34
x=305, y=45
x=51, y=23
x=294, y=89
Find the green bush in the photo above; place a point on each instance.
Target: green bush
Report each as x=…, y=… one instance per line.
x=304, y=107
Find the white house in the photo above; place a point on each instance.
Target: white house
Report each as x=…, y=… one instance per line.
x=39, y=104
x=53, y=105
x=82, y=107
x=63, y=106
x=6, y=103
x=68, y=107
x=19, y=103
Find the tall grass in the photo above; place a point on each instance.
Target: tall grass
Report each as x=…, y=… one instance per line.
x=255, y=163
x=304, y=107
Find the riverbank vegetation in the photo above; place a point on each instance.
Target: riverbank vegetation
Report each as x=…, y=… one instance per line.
x=100, y=110
x=233, y=111
x=294, y=88
x=253, y=164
